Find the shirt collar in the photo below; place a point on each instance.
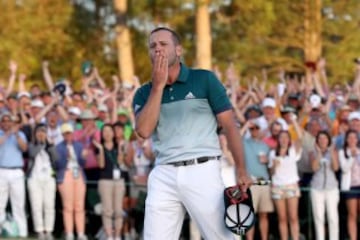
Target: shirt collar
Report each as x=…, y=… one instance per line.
x=184, y=73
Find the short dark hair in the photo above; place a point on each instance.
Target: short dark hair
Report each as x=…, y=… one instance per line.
x=174, y=35
x=325, y=133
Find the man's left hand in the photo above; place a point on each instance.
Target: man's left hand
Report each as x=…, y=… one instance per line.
x=244, y=181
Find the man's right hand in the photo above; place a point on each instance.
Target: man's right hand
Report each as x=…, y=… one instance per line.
x=160, y=71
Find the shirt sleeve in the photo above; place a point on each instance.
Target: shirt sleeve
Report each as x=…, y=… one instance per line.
x=140, y=98
x=217, y=96
x=22, y=136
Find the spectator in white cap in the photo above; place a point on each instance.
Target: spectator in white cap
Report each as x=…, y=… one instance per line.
x=24, y=99
x=354, y=124
x=102, y=116
x=74, y=114
x=269, y=109
x=353, y=102
x=256, y=152
x=36, y=106
x=71, y=180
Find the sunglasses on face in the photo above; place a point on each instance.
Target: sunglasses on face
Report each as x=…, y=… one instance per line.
x=254, y=128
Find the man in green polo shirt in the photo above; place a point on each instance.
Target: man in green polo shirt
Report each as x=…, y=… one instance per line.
x=181, y=109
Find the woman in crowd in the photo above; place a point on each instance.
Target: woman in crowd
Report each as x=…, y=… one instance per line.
x=71, y=182
x=349, y=157
x=41, y=182
x=111, y=184
x=285, y=189
x=324, y=187
x=275, y=128
x=126, y=149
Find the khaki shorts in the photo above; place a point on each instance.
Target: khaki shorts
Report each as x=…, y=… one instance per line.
x=261, y=196
x=285, y=191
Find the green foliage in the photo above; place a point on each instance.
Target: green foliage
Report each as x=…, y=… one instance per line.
x=253, y=34
x=63, y=34
x=341, y=35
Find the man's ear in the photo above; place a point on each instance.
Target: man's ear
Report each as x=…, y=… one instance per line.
x=178, y=50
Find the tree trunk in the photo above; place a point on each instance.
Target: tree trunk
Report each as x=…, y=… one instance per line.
x=203, y=33
x=123, y=41
x=312, y=34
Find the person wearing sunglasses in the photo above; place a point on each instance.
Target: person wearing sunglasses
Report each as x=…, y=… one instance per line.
x=256, y=152
x=12, y=179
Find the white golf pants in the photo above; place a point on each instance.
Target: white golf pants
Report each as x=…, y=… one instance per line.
x=325, y=201
x=172, y=191
x=12, y=184
x=42, y=199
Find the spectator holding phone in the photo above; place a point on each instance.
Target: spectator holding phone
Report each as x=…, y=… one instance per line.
x=324, y=187
x=41, y=182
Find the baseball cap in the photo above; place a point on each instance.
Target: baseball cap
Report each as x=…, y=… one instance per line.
x=6, y=114
x=66, y=128
x=123, y=111
x=74, y=110
x=23, y=94
x=345, y=107
x=354, y=116
x=287, y=109
x=353, y=97
x=37, y=103
x=268, y=102
x=103, y=108
x=87, y=114
x=315, y=101
x=239, y=213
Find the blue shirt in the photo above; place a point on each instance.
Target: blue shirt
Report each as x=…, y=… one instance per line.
x=10, y=152
x=254, y=167
x=187, y=124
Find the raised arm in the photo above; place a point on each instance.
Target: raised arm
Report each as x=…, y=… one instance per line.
x=299, y=131
x=98, y=78
x=22, y=87
x=13, y=68
x=47, y=76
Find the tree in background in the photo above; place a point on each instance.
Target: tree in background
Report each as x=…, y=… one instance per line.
x=123, y=40
x=253, y=35
x=63, y=34
x=203, y=35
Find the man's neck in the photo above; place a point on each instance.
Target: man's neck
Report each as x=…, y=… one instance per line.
x=174, y=72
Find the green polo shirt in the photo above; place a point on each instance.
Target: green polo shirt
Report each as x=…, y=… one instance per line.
x=187, y=123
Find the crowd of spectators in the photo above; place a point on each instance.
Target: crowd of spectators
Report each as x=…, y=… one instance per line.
x=300, y=132
x=80, y=144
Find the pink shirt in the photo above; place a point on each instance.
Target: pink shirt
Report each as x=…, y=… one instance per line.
x=271, y=142
x=85, y=139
